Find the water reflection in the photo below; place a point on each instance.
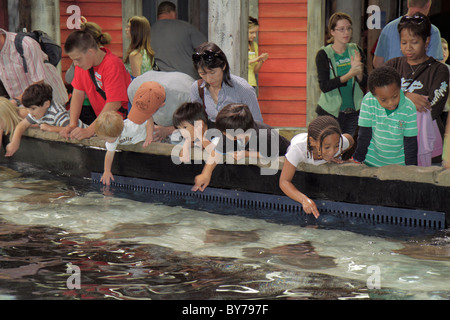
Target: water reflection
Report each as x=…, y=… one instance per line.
x=128, y=249
x=436, y=248
x=34, y=262
x=302, y=255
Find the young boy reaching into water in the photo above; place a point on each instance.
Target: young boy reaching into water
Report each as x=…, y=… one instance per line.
x=111, y=127
x=42, y=111
x=192, y=122
x=388, y=123
x=242, y=137
x=323, y=143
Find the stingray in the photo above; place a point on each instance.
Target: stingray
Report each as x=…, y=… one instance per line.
x=301, y=255
x=8, y=174
x=426, y=251
x=222, y=236
x=132, y=230
x=46, y=198
x=26, y=270
x=41, y=185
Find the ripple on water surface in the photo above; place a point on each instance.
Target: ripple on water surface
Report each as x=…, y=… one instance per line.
x=129, y=246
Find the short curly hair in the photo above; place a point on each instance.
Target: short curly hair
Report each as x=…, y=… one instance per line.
x=383, y=76
x=37, y=94
x=109, y=124
x=233, y=117
x=189, y=112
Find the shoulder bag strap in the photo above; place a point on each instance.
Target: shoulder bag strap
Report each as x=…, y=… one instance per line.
x=418, y=74
x=201, y=92
x=99, y=90
x=19, y=47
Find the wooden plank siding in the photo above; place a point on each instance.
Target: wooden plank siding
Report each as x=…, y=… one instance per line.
x=106, y=13
x=4, y=14
x=282, y=79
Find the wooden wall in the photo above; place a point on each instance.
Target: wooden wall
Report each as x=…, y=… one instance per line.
x=106, y=13
x=4, y=14
x=282, y=79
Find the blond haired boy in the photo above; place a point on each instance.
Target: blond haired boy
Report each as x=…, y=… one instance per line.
x=139, y=126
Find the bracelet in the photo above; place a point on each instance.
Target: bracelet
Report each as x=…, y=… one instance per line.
x=355, y=161
x=17, y=102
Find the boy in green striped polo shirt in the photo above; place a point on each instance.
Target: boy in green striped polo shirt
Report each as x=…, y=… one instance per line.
x=388, y=123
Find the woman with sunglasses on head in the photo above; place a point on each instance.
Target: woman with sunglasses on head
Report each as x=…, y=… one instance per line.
x=424, y=81
x=388, y=45
x=218, y=87
x=342, y=74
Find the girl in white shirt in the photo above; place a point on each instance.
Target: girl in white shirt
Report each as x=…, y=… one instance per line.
x=324, y=143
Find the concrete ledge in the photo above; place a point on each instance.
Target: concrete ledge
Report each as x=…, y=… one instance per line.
x=154, y=148
x=432, y=175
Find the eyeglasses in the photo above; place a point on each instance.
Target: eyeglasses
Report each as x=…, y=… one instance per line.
x=414, y=19
x=342, y=30
x=209, y=57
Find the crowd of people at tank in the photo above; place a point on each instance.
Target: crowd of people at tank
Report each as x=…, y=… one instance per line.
x=173, y=86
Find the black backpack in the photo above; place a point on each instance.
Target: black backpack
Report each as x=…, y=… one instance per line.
x=48, y=45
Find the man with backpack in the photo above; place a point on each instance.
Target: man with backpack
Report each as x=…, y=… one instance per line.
x=19, y=72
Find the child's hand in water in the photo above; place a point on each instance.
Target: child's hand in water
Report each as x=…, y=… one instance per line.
x=107, y=178
x=201, y=182
x=11, y=149
x=310, y=207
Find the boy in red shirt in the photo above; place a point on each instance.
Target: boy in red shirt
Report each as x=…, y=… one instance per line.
x=107, y=93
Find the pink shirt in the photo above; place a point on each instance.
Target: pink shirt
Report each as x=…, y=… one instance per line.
x=13, y=75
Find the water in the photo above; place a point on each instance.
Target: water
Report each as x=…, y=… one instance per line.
x=132, y=246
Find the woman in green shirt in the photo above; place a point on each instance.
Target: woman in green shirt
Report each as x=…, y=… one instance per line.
x=342, y=74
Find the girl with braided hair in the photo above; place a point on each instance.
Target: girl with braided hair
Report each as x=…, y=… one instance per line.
x=324, y=143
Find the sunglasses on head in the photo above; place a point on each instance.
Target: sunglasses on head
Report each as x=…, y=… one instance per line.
x=415, y=19
x=208, y=57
